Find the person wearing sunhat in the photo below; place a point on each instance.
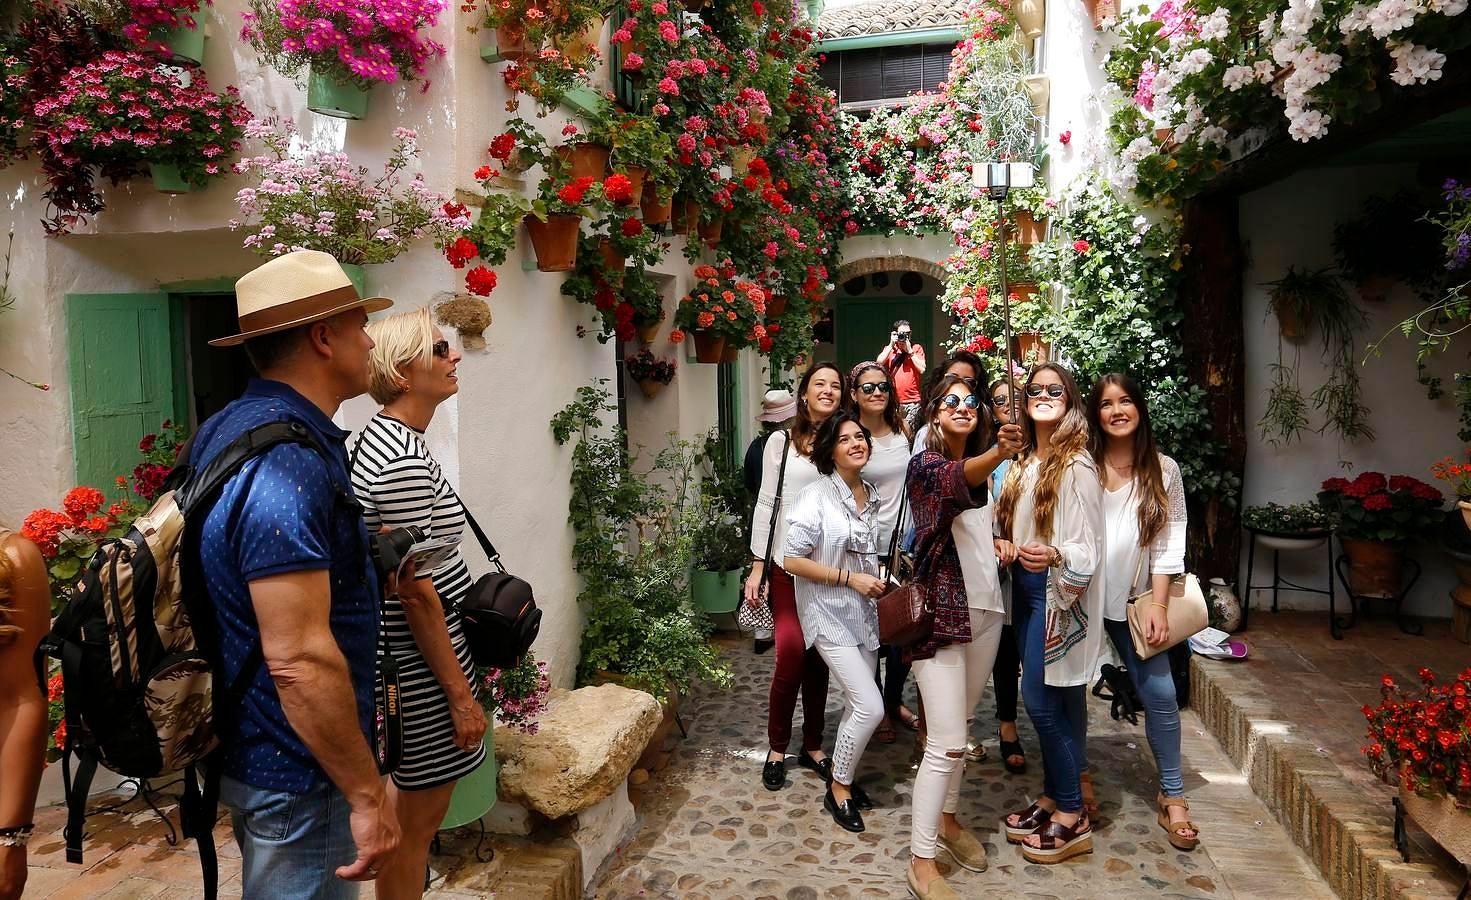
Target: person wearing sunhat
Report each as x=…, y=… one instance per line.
x=284, y=554
x=778, y=408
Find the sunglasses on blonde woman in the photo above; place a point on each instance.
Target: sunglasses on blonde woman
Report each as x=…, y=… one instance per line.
x=440, y=349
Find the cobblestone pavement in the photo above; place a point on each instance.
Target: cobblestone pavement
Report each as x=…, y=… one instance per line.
x=708, y=829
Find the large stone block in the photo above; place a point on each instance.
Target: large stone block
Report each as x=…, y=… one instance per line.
x=583, y=750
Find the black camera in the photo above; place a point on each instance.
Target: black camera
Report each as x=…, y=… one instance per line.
x=387, y=548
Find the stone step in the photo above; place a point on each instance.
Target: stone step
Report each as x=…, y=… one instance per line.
x=1348, y=835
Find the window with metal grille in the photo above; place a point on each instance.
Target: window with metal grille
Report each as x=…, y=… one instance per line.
x=872, y=75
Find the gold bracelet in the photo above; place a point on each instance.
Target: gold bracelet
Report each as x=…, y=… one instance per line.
x=1160, y=605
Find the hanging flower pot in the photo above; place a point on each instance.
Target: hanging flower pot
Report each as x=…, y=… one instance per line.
x=648, y=331
x=1031, y=346
x=578, y=46
x=518, y=162
x=167, y=179
x=741, y=159
x=186, y=45
x=1291, y=324
x=584, y=160
x=555, y=241
x=776, y=306
x=1029, y=229
x=636, y=176
x=329, y=97
x=1031, y=15
x=1023, y=291
x=512, y=43
x=730, y=354
x=1102, y=12
x=651, y=387
x=686, y=216
x=710, y=231
x=612, y=260
x=1374, y=567
x=1039, y=90
x=1375, y=288
x=923, y=142
x=654, y=210
x=709, y=347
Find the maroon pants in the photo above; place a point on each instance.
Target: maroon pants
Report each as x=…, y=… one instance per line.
x=797, y=668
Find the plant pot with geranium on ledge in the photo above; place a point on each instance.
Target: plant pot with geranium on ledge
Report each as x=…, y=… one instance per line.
x=1376, y=518
x=650, y=372
x=343, y=58
x=556, y=219
x=720, y=311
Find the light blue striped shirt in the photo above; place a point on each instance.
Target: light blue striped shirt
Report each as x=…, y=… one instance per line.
x=824, y=525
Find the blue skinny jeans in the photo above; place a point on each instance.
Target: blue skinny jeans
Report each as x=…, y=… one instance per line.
x=1060, y=714
x=1156, y=686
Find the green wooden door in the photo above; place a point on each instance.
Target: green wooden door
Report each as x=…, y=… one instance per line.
x=124, y=363
x=864, y=324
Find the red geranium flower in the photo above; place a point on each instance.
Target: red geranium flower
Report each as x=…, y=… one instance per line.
x=573, y=192
x=632, y=227
x=461, y=251
x=480, y=280
x=81, y=502
x=483, y=173
x=618, y=189
x=1080, y=245
x=502, y=145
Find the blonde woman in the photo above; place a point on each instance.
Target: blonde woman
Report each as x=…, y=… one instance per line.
x=1051, y=509
x=25, y=615
x=413, y=369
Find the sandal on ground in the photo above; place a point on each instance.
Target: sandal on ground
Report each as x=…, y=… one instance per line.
x=976, y=752
x=885, y=733
x=1177, y=840
x=937, y=889
x=911, y=721
x=823, y=767
x=1028, y=821
x=1060, y=842
x=1090, y=802
x=1010, y=749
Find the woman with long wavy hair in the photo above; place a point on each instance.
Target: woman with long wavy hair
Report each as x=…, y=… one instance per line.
x=1051, y=509
x=1144, y=520
x=799, y=668
x=25, y=614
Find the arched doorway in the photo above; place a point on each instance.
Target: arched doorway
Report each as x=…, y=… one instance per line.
x=871, y=295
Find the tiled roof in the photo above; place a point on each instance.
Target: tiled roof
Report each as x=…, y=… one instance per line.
x=885, y=16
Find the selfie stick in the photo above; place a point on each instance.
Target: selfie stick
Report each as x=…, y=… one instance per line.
x=998, y=179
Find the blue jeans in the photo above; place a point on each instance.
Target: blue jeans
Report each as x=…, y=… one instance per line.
x=1060, y=714
x=1156, y=686
x=291, y=844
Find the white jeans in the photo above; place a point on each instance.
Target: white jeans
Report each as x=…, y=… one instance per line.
x=863, y=704
x=950, y=685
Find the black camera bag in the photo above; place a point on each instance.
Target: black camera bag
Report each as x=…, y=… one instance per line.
x=499, y=613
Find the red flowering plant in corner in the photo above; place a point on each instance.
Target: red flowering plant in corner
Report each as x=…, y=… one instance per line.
x=725, y=306
x=1423, y=740
x=1396, y=509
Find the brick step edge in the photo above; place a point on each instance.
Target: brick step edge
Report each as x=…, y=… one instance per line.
x=1349, y=837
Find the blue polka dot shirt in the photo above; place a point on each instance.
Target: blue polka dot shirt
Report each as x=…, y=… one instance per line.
x=287, y=510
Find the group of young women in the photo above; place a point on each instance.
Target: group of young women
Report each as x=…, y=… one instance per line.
x=1033, y=517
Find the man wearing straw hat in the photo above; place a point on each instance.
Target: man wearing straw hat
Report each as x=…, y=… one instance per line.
x=284, y=555
x=778, y=409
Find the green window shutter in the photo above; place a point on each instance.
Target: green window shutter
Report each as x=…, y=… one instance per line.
x=123, y=360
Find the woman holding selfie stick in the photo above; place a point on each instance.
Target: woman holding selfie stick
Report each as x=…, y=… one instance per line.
x=903, y=359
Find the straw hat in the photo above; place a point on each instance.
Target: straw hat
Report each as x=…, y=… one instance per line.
x=778, y=406
x=293, y=289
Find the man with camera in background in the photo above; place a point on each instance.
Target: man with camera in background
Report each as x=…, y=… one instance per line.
x=903, y=359
x=284, y=554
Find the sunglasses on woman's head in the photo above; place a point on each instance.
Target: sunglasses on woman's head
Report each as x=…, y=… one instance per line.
x=1052, y=390
x=882, y=387
x=440, y=349
x=953, y=401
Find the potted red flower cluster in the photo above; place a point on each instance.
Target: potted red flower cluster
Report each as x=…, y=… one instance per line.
x=723, y=313
x=649, y=371
x=1375, y=517
x=555, y=218
x=1423, y=742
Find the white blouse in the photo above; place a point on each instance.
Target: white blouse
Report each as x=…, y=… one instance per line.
x=1075, y=591
x=800, y=473
x=975, y=543
x=886, y=470
x=826, y=526
x=1124, y=572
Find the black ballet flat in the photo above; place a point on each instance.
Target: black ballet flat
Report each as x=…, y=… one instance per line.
x=823, y=767
x=845, y=814
x=774, y=774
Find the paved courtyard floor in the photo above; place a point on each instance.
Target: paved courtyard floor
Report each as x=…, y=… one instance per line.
x=708, y=829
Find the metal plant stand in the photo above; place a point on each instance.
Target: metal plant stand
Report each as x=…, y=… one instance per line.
x=1405, y=625
x=1279, y=583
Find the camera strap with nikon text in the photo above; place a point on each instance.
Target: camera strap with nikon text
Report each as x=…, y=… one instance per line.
x=388, y=727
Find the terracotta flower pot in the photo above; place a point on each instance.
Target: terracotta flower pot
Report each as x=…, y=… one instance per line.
x=584, y=160
x=655, y=211
x=730, y=354
x=1101, y=11
x=709, y=347
x=512, y=43
x=636, y=176
x=924, y=143
x=612, y=260
x=1030, y=343
x=1374, y=568
x=776, y=307
x=1375, y=288
x=1024, y=291
x=650, y=387
x=648, y=331
x=710, y=231
x=555, y=241
x=686, y=216
x=1291, y=324
x=1029, y=229
x=1443, y=820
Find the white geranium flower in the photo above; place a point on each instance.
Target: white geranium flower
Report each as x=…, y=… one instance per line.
x=1140, y=224
x=1306, y=124
x=1216, y=26
x=1238, y=77
x=1214, y=135
x=1415, y=64
x=1389, y=16
x=1268, y=27
x=1193, y=62
x=1356, y=19
x=1264, y=70
x=1138, y=148
x=1300, y=16
x=1447, y=7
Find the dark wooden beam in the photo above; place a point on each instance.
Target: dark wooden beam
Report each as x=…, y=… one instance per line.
x=1214, y=342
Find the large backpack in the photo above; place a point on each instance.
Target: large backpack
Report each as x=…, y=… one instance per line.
x=139, y=650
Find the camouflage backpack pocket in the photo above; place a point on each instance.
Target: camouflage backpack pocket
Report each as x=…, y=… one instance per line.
x=178, y=701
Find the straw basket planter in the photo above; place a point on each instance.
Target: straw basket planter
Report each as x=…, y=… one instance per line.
x=709, y=347
x=650, y=387
x=555, y=241
x=585, y=160
x=1031, y=16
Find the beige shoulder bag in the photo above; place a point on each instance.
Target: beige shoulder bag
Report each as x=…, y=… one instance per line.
x=1187, y=611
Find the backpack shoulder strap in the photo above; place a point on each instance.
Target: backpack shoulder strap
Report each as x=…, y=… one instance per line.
x=204, y=483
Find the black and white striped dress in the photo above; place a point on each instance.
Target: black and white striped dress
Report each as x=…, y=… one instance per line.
x=399, y=483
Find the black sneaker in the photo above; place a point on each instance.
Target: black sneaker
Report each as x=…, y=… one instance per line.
x=845, y=814
x=823, y=767
x=774, y=774
x=760, y=646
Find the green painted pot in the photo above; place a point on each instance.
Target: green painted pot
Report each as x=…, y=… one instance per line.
x=166, y=178
x=186, y=44
x=333, y=98
x=474, y=795
x=716, y=592
x=358, y=276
